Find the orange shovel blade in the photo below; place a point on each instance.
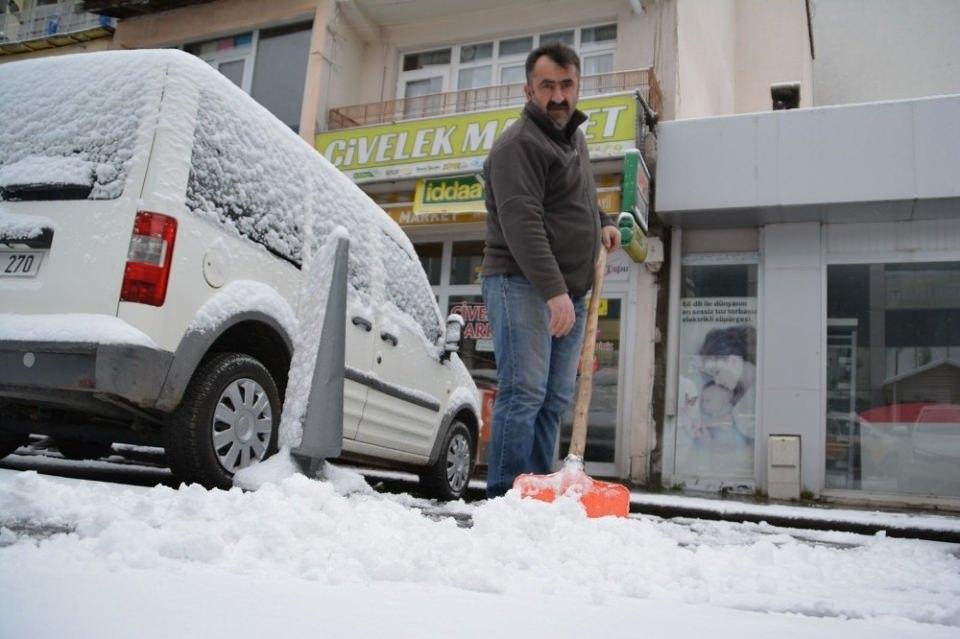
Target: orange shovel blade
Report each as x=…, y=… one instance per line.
x=599, y=498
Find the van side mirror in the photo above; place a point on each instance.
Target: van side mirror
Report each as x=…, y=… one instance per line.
x=454, y=336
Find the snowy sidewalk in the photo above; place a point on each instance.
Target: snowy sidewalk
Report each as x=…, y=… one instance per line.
x=92, y=559
x=911, y=525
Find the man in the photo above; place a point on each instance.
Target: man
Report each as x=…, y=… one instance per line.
x=544, y=232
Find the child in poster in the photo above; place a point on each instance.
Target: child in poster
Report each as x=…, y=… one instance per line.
x=716, y=411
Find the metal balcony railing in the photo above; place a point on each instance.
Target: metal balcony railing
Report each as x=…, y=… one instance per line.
x=44, y=21
x=642, y=80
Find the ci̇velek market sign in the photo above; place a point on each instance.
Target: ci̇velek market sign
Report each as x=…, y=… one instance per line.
x=459, y=143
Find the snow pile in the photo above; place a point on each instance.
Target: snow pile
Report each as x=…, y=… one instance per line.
x=328, y=533
x=77, y=117
x=83, y=328
x=36, y=169
x=23, y=227
x=242, y=296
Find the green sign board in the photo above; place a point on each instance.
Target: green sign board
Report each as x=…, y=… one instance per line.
x=459, y=143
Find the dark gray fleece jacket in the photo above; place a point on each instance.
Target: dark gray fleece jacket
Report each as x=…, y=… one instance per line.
x=542, y=216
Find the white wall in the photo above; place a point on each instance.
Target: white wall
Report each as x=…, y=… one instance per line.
x=885, y=49
x=773, y=45
x=706, y=57
x=641, y=40
x=731, y=51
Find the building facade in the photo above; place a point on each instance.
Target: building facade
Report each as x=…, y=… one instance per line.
x=760, y=339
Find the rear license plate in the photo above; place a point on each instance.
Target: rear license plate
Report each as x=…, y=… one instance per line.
x=20, y=263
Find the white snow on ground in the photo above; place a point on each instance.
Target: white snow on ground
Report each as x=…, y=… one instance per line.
x=71, y=327
x=304, y=555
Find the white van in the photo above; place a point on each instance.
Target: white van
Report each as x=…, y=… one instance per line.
x=153, y=224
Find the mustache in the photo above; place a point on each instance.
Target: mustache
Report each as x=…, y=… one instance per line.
x=558, y=106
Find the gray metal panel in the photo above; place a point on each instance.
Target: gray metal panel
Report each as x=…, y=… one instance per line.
x=323, y=422
x=937, y=131
x=846, y=154
x=878, y=162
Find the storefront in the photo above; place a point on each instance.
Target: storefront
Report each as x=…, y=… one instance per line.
x=424, y=174
x=815, y=301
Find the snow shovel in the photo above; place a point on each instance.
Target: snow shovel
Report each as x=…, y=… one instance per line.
x=599, y=498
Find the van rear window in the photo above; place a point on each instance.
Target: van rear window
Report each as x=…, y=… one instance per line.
x=70, y=124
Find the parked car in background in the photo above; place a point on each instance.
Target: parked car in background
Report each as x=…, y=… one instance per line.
x=154, y=220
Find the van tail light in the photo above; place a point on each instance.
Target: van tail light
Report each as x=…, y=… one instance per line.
x=148, y=259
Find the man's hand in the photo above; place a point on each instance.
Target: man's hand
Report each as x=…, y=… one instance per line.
x=562, y=315
x=610, y=236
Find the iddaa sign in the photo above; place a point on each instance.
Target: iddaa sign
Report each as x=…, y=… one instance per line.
x=458, y=194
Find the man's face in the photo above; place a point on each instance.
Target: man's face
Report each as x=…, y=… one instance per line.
x=554, y=89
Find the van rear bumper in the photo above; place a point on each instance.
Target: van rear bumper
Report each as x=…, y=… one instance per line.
x=69, y=374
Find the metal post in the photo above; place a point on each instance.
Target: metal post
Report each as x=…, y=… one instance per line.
x=323, y=420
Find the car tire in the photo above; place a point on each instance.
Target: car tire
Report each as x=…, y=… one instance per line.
x=228, y=418
x=76, y=449
x=447, y=479
x=10, y=442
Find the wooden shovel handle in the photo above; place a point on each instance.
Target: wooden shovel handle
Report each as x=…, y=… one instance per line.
x=578, y=438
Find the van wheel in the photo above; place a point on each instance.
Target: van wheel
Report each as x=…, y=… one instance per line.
x=448, y=478
x=77, y=449
x=228, y=418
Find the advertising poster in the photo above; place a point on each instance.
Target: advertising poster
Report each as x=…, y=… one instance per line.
x=716, y=412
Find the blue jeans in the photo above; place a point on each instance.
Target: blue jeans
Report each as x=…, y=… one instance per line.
x=536, y=377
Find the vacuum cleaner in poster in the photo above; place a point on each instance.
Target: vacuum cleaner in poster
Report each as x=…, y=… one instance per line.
x=716, y=409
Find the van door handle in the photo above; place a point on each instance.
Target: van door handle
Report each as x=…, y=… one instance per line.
x=362, y=323
x=387, y=337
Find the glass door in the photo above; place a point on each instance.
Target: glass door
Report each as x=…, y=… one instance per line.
x=604, y=414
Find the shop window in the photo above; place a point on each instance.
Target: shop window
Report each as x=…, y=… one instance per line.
x=467, y=259
x=474, y=77
x=893, y=378
x=716, y=405
x=280, y=71
x=414, y=61
x=232, y=56
x=270, y=65
x=566, y=37
x=478, y=65
x=476, y=351
x=431, y=259
x=595, y=64
x=516, y=46
x=604, y=399
x=605, y=33
x=476, y=52
x=513, y=75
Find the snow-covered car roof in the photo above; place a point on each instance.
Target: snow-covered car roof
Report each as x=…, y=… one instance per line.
x=77, y=114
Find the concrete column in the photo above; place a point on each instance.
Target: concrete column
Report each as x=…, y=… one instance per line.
x=314, y=108
x=642, y=423
x=791, y=348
